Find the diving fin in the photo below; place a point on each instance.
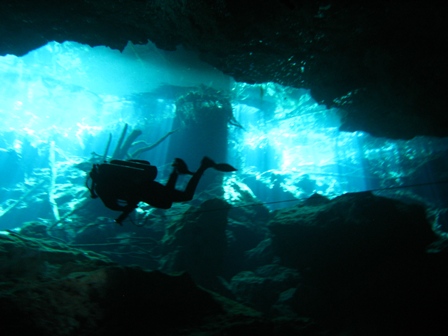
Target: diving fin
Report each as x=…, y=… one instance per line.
x=181, y=166
x=224, y=167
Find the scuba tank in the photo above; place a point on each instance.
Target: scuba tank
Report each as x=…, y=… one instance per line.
x=130, y=172
x=142, y=168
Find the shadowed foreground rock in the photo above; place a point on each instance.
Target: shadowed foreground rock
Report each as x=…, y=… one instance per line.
x=47, y=288
x=365, y=264
x=197, y=243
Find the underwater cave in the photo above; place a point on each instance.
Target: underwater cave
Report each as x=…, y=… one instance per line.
x=338, y=209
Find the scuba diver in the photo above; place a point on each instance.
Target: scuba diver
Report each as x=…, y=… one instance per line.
x=121, y=185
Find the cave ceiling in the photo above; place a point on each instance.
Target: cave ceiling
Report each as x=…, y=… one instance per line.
x=383, y=63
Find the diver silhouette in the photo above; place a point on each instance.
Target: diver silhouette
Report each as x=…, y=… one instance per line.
x=121, y=185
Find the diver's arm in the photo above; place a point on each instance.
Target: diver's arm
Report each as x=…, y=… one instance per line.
x=113, y=203
x=126, y=211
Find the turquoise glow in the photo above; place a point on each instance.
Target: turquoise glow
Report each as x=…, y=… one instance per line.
x=290, y=147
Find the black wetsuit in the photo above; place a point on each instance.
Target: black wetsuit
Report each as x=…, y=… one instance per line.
x=122, y=187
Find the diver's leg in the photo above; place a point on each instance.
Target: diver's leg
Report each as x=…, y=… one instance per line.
x=187, y=195
x=171, y=183
x=157, y=194
x=179, y=167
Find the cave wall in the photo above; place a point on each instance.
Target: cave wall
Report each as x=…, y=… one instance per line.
x=381, y=62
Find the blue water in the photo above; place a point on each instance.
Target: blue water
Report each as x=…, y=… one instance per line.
x=68, y=98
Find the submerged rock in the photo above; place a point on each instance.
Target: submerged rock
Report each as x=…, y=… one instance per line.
x=197, y=243
x=353, y=227
x=261, y=288
x=364, y=263
x=47, y=288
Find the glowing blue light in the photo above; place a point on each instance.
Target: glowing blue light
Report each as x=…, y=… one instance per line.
x=290, y=147
x=297, y=138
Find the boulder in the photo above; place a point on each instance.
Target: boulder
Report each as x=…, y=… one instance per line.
x=365, y=263
x=47, y=288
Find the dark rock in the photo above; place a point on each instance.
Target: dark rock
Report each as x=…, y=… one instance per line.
x=260, y=255
x=354, y=227
x=247, y=228
x=364, y=263
x=28, y=258
x=287, y=303
x=261, y=288
x=241, y=237
x=431, y=180
x=35, y=230
x=197, y=243
x=315, y=200
x=47, y=288
x=126, y=244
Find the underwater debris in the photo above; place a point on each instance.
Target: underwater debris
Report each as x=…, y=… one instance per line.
x=124, y=146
